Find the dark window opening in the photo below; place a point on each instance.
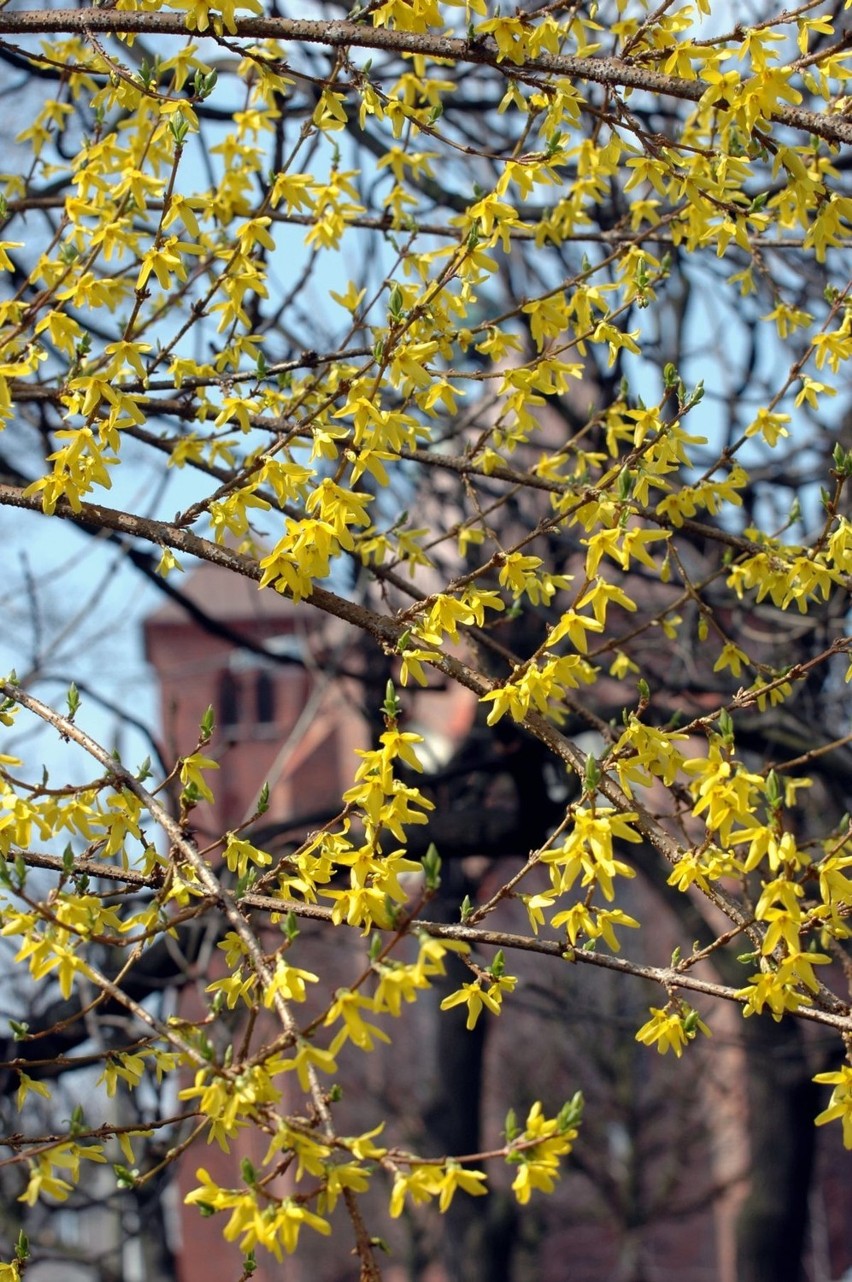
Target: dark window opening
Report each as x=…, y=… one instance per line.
x=229, y=700
x=265, y=697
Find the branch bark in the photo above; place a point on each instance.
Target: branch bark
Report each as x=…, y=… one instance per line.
x=611, y=72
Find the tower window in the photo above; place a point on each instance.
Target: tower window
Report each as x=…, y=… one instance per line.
x=229, y=700
x=265, y=698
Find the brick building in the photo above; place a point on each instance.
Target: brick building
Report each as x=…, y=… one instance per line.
x=286, y=722
x=294, y=723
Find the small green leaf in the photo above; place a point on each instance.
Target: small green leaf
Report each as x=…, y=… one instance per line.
x=73, y=700
x=208, y=724
x=592, y=776
x=178, y=128
x=391, y=708
x=772, y=789
x=289, y=927
x=571, y=1112
x=124, y=1178
x=395, y=303
x=431, y=862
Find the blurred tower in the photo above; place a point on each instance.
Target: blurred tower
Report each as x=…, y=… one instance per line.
x=292, y=722
x=285, y=723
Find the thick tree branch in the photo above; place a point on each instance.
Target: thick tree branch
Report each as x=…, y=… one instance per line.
x=612, y=72
x=668, y=977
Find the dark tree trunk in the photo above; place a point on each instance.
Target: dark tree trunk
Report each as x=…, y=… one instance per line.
x=479, y=1233
x=783, y=1101
x=452, y=1119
